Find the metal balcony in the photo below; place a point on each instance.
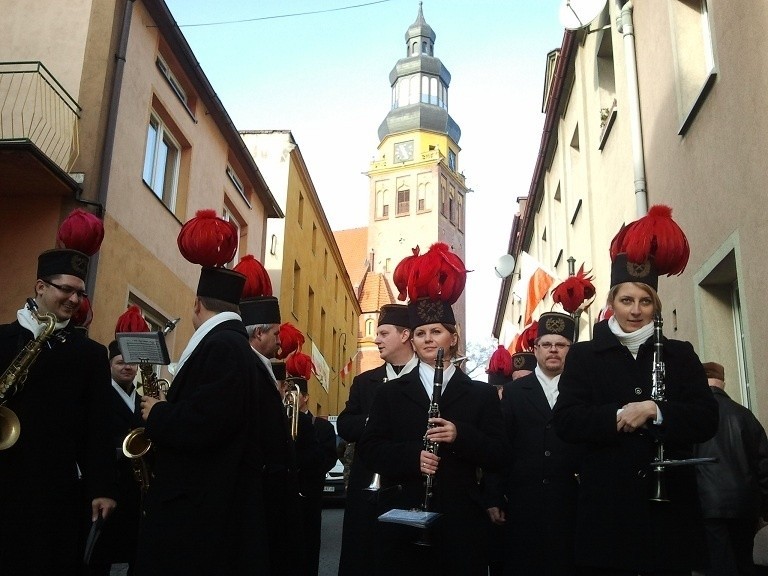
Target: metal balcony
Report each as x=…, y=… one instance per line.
x=38, y=130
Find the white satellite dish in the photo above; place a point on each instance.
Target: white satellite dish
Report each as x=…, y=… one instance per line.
x=577, y=14
x=504, y=265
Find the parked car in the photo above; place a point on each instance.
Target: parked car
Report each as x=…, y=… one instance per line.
x=334, y=488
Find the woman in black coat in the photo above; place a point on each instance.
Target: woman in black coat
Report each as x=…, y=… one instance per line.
x=605, y=404
x=470, y=436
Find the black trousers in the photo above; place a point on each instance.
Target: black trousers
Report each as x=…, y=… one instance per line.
x=730, y=544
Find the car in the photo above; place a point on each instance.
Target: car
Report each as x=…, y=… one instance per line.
x=334, y=489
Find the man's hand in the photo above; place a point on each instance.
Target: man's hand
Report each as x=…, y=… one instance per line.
x=103, y=505
x=428, y=462
x=147, y=402
x=496, y=515
x=635, y=415
x=443, y=432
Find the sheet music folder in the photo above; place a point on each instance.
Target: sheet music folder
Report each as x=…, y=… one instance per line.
x=143, y=348
x=415, y=518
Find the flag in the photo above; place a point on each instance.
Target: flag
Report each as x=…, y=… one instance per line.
x=538, y=286
x=348, y=366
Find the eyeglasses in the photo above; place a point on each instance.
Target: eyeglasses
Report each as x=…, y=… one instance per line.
x=68, y=290
x=550, y=345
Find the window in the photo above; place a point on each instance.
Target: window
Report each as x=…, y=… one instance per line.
x=388, y=265
x=229, y=215
x=310, y=311
x=443, y=197
x=369, y=328
x=403, y=202
x=452, y=160
x=460, y=212
x=300, y=211
x=161, y=162
x=237, y=183
x=165, y=70
x=382, y=207
x=296, y=289
x=314, y=238
x=452, y=204
x=273, y=245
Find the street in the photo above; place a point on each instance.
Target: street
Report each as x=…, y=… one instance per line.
x=330, y=544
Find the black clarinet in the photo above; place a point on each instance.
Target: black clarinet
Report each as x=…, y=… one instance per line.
x=434, y=412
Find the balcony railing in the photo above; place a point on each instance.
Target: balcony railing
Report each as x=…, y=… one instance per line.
x=34, y=107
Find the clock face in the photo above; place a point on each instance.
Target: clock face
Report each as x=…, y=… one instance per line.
x=404, y=151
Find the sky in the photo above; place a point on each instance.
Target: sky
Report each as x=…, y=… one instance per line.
x=325, y=77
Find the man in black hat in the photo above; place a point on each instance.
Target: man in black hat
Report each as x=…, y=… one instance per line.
x=119, y=537
x=393, y=339
x=204, y=511
x=540, y=486
x=62, y=450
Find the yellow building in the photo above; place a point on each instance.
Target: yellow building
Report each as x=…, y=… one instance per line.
x=104, y=106
x=306, y=268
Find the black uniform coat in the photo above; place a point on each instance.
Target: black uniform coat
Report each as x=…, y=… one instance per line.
x=203, y=512
x=392, y=444
x=63, y=409
x=357, y=543
x=540, y=485
x=119, y=536
x=617, y=526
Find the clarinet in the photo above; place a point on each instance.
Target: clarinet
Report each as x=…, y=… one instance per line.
x=434, y=412
x=657, y=395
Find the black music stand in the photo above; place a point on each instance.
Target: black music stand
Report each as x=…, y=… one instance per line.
x=143, y=348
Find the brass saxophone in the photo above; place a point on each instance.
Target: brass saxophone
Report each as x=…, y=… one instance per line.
x=12, y=380
x=137, y=445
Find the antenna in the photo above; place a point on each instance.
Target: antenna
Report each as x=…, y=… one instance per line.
x=578, y=14
x=504, y=265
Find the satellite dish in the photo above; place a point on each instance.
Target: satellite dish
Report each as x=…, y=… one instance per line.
x=577, y=14
x=504, y=265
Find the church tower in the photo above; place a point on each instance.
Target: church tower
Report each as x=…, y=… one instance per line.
x=417, y=192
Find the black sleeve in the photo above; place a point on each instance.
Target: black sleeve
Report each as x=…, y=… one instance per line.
x=351, y=421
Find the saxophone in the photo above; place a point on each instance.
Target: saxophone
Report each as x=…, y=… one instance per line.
x=12, y=380
x=137, y=445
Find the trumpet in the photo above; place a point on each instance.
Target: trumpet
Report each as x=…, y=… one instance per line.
x=291, y=403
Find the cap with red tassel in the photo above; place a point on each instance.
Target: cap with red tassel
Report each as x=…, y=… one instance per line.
x=500, y=367
x=436, y=280
x=79, y=237
x=523, y=357
x=572, y=293
x=257, y=305
x=291, y=339
x=211, y=242
x=648, y=247
x=299, y=369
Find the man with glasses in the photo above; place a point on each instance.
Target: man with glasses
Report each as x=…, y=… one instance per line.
x=63, y=450
x=540, y=483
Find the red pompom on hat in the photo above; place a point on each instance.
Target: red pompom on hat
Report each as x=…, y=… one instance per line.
x=402, y=272
x=527, y=339
x=499, y=366
x=84, y=314
x=300, y=365
x=291, y=339
x=81, y=231
x=208, y=240
x=574, y=291
x=131, y=321
x=439, y=274
x=257, y=282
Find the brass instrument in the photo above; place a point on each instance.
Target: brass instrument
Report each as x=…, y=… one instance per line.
x=136, y=445
x=658, y=394
x=375, y=484
x=291, y=403
x=12, y=380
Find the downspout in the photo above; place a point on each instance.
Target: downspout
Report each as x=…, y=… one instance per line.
x=625, y=26
x=109, y=137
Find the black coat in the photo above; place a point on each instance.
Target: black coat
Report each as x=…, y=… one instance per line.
x=618, y=526
x=203, y=513
x=392, y=443
x=540, y=485
x=63, y=409
x=736, y=486
x=357, y=540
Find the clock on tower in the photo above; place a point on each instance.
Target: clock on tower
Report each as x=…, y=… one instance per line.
x=404, y=151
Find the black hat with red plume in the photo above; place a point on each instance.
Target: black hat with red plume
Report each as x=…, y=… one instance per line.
x=79, y=237
x=574, y=291
x=436, y=280
x=523, y=358
x=648, y=247
x=211, y=242
x=257, y=305
x=500, y=367
x=299, y=368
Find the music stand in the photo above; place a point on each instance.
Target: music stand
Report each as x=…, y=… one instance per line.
x=143, y=348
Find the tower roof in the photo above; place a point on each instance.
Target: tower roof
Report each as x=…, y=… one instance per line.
x=420, y=28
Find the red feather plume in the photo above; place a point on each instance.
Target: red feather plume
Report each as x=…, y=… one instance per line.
x=299, y=365
x=574, y=291
x=500, y=362
x=291, y=339
x=402, y=272
x=208, y=240
x=257, y=282
x=656, y=235
x=131, y=321
x=81, y=231
x=526, y=341
x=84, y=314
x=439, y=274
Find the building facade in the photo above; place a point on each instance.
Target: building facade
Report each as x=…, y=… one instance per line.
x=645, y=106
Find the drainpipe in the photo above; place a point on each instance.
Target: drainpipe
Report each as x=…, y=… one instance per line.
x=109, y=137
x=625, y=26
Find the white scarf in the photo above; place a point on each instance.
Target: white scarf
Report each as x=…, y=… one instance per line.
x=548, y=385
x=427, y=375
x=632, y=340
x=202, y=332
x=410, y=365
x=25, y=318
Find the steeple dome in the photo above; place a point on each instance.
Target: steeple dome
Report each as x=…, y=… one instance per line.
x=419, y=87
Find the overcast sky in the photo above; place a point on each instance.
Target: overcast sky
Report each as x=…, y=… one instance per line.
x=325, y=77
